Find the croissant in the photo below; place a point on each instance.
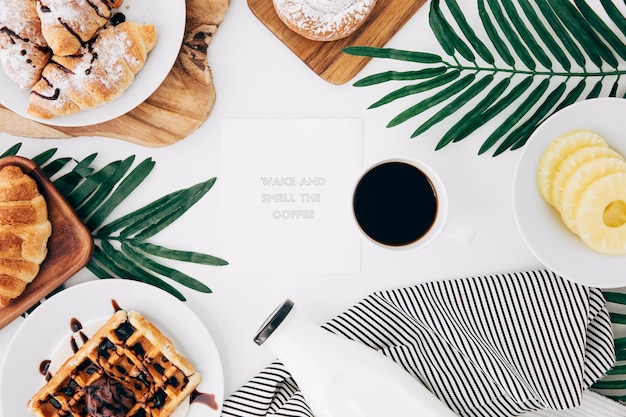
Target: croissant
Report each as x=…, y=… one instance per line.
x=24, y=51
x=24, y=232
x=68, y=24
x=99, y=73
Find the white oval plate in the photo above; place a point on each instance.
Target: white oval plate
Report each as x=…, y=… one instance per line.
x=168, y=16
x=540, y=224
x=48, y=328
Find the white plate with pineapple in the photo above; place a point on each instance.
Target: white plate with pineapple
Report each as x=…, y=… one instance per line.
x=568, y=201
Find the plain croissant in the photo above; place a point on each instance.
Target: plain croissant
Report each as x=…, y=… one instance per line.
x=24, y=51
x=68, y=24
x=99, y=73
x=24, y=232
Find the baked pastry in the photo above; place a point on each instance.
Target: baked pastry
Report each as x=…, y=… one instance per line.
x=127, y=368
x=69, y=24
x=193, y=54
x=323, y=20
x=24, y=51
x=24, y=232
x=99, y=73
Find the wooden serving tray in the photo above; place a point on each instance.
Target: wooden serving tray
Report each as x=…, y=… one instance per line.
x=326, y=58
x=69, y=247
x=178, y=107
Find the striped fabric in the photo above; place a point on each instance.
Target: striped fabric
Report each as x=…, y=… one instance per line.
x=498, y=345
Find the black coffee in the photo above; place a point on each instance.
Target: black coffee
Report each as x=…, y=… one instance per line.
x=395, y=204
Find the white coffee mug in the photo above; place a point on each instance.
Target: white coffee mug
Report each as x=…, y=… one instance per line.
x=401, y=204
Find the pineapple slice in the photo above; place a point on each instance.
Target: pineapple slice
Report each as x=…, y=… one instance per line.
x=571, y=164
x=559, y=149
x=585, y=180
x=615, y=214
x=596, y=214
x=584, y=176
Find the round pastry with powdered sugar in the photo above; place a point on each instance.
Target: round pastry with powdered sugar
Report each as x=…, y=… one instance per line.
x=323, y=20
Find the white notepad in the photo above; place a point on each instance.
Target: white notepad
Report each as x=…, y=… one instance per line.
x=286, y=192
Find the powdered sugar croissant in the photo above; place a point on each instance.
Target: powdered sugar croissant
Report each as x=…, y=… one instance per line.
x=101, y=71
x=24, y=232
x=68, y=24
x=24, y=51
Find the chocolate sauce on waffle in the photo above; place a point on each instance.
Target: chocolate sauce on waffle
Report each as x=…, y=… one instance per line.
x=123, y=374
x=204, y=398
x=44, y=366
x=77, y=328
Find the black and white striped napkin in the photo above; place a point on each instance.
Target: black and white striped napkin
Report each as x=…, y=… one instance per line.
x=498, y=345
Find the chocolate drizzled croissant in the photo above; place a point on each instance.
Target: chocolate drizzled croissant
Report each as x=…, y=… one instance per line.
x=68, y=24
x=100, y=72
x=24, y=51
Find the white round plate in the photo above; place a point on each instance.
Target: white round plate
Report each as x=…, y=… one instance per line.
x=540, y=224
x=168, y=16
x=48, y=327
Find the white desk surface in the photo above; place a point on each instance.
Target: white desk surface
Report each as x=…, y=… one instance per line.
x=256, y=76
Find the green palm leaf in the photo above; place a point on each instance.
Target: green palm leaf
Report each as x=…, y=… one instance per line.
x=614, y=383
x=122, y=249
x=79, y=195
x=146, y=262
x=437, y=98
x=469, y=33
x=545, y=35
x=446, y=34
x=602, y=28
x=44, y=157
x=185, y=256
x=104, y=188
x=471, y=121
x=511, y=35
x=614, y=14
x=55, y=166
x=123, y=190
x=117, y=263
x=400, y=76
x=412, y=89
x=525, y=33
x=531, y=45
x=68, y=182
x=12, y=151
x=188, y=198
x=398, y=54
x=494, y=35
x=583, y=32
x=518, y=136
x=458, y=102
x=132, y=223
x=561, y=32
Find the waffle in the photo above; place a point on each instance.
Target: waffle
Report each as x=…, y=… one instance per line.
x=127, y=368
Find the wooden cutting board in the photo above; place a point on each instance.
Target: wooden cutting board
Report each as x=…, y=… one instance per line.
x=178, y=107
x=326, y=58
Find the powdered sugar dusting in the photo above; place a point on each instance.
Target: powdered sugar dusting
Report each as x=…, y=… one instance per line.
x=77, y=14
x=21, y=17
x=23, y=52
x=16, y=66
x=330, y=6
x=100, y=72
x=111, y=55
x=324, y=19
